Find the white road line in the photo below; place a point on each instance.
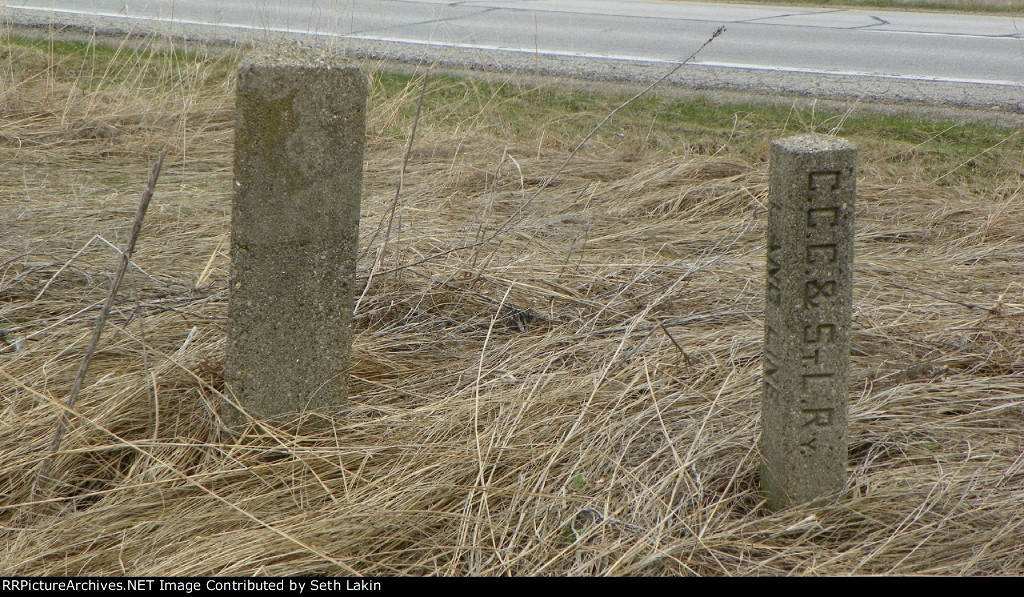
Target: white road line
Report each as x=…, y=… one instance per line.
x=809, y=71
x=1016, y=37
x=840, y=73
x=558, y=53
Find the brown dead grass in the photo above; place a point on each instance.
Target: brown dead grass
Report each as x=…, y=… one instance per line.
x=569, y=388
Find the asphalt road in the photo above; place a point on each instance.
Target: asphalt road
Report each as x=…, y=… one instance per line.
x=934, y=58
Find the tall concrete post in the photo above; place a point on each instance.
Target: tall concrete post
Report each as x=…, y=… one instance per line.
x=299, y=137
x=808, y=309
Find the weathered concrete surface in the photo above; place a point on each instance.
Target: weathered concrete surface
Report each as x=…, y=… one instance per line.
x=300, y=130
x=808, y=308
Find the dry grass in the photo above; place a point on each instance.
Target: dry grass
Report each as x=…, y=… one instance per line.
x=562, y=383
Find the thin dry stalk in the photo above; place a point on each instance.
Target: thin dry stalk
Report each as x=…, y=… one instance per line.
x=401, y=173
x=554, y=176
x=43, y=479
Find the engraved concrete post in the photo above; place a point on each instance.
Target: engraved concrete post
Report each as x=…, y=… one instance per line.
x=299, y=137
x=808, y=307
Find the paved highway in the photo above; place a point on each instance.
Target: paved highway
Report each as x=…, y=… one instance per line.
x=966, y=60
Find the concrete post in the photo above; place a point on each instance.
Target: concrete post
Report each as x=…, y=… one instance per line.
x=808, y=309
x=299, y=137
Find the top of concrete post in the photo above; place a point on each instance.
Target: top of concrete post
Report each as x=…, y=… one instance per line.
x=295, y=55
x=301, y=114
x=814, y=144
